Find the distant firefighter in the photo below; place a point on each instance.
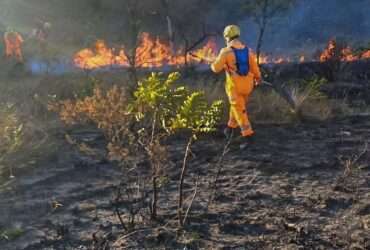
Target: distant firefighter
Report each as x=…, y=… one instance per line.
x=13, y=45
x=41, y=33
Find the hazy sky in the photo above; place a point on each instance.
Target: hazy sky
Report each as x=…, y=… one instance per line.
x=310, y=23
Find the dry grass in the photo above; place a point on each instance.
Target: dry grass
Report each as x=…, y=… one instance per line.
x=325, y=109
x=267, y=106
x=30, y=95
x=24, y=142
x=214, y=89
x=11, y=136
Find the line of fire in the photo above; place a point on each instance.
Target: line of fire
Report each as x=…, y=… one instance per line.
x=154, y=53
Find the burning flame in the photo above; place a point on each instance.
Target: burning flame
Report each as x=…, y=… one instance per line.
x=329, y=52
x=332, y=51
x=154, y=53
x=151, y=53
x=366, y=55
x=264, y=59
x=344, y=54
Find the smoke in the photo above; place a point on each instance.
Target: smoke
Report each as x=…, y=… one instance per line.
x=320, y=20
x=306, y=27
x=311, y=23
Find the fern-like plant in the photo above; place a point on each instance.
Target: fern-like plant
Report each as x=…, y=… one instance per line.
x=168, y=109
x=196, y=115
x=156, y=101
x=309, y=91
x=138, y=127
x=11, y=133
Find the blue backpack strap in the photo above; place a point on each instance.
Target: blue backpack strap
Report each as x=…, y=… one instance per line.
x=242, y=60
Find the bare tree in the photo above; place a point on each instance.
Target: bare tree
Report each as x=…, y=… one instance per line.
x=190, y=32
x=134, y=15
x=262, y=13
x=138, y=16
x=167, y=12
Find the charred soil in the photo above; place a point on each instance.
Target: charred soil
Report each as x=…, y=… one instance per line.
x=303, y=186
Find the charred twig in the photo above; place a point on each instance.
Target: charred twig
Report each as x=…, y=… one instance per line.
x=282, y=92
x=164, y=227
x=350, y=163
x=203, y=59
x=100, y=243
x=349, y=166
x=188, y=48
x=120, y=218
x=191, y=202
x=199, y=41
x=181, y=184
x=252, y=178
x=155, y=161
x=116, y=209
x=135, y=232
x=358, y=157
x=219, y=169
x=133, y=203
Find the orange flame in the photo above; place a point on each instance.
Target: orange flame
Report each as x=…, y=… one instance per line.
x=264, y=59
x=366, y=55
x=151, y=53
x=154, y=53
x=345, y=54
x=329, y=52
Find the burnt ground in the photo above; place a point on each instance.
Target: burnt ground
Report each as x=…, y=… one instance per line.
x=287, y=191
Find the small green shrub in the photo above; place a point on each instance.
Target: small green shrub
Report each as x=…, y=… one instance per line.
x=196, y=115
x=11, y=134
x=170, y=109
x=139, y=126
x=87, y=89
x=11, y=234
x=267, y=106
x=156, y=102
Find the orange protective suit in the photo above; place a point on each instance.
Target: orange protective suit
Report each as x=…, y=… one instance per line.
x=13, y=45
x=238, y=88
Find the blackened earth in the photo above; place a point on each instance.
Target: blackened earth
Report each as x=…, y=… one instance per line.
x=289, y=190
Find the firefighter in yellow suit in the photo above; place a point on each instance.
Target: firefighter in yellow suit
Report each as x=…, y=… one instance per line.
x=239, y=86
x=13, y=44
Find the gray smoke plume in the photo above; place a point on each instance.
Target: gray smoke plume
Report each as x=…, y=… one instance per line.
x=306, y=27
x=311, y=23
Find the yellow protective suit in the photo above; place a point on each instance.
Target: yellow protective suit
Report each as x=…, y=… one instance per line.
x=13, y=45
x=238, y=88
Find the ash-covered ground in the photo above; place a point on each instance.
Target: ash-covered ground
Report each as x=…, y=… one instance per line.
x=303, y=186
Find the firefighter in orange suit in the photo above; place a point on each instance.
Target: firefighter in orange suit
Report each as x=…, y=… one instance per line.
x=13, y=45
x=242, y=75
